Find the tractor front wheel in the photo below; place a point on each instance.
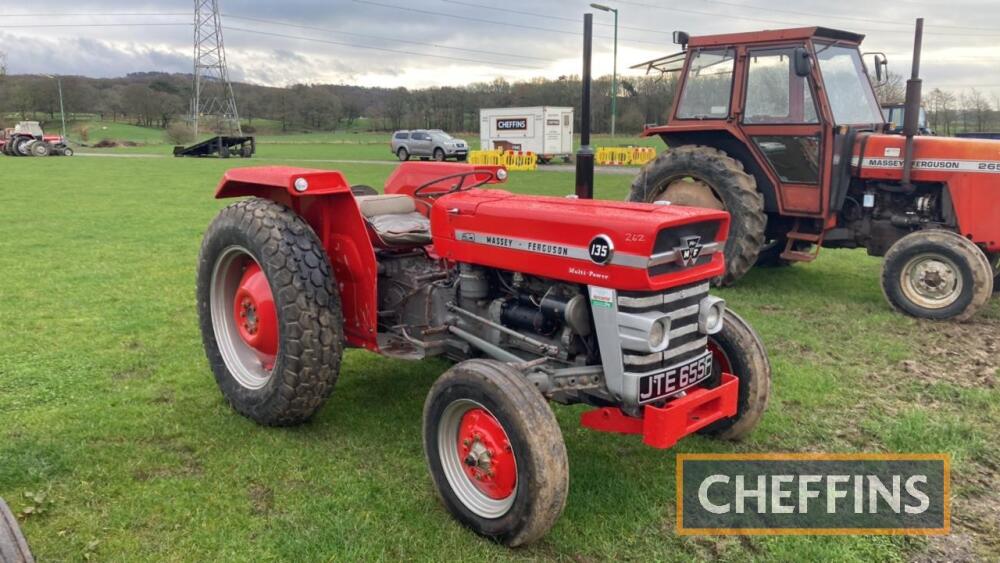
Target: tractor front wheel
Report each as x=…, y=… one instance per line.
x=700, y=176
x=495, y=452
x=270, y=312
x=737, y=350
x=937, y=274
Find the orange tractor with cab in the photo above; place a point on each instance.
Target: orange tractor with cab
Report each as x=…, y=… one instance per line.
x=782, y=129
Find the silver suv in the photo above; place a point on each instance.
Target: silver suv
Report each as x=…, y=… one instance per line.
x=428, y=143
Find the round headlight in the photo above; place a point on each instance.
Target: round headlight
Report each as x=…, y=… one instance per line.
x=502, y=174
x=711, y=315
x=659, y=333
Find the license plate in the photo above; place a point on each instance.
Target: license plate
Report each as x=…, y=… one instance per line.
x=673, y=380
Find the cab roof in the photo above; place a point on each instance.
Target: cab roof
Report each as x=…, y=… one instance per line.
x=769, y=36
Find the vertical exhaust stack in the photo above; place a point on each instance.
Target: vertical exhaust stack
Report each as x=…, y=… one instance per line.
x=585, y=156
x=911, y=113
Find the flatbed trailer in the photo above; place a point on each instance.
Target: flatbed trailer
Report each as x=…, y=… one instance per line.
x=224, y=146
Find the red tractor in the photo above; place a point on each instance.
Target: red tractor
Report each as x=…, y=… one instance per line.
x=782, y=129
x=27, y=139
x=538, y=299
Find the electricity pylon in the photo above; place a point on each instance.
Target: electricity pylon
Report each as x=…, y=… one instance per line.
x=213, y=98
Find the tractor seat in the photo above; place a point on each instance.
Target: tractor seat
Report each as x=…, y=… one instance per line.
x=395, y=219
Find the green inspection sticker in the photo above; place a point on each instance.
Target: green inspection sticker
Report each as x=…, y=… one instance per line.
x=601, y=297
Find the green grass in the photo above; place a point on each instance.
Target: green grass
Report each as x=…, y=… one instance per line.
x=110, y=411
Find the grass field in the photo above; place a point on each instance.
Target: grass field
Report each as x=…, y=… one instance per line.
x=115, y=443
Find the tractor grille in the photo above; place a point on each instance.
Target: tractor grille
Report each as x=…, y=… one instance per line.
x=672, y=240
x=686, y=342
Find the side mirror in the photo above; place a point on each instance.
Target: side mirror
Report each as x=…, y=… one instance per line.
x=681, y=38
x=803, y=62
x=881, y=63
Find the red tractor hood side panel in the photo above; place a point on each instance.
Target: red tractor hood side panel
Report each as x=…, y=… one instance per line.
x=969, y=167
x=550, y=237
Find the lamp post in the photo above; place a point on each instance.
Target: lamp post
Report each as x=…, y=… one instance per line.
x=62, y=108
x=614, y=74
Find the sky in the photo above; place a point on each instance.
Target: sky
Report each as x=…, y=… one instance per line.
x=455, y=42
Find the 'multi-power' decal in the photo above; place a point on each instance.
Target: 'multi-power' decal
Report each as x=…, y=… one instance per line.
x=983, y=166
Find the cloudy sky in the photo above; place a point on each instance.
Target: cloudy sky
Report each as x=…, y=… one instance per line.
x=453, y=42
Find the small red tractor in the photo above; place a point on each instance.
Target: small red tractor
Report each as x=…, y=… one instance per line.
x=537, y=298
x=27, y=139
x=783, y=130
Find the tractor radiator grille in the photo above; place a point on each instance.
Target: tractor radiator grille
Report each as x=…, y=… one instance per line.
x=670, y=242
x=686, y=342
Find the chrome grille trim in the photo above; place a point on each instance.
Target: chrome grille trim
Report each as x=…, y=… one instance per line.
x=671, y=255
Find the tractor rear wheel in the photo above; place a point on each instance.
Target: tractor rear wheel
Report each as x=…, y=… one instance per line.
x=937, y=274
x=737, y=350
x=495, y=452
x=270, y=312
x=700, y=176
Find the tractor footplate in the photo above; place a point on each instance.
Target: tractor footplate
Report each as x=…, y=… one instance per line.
x=662, y=427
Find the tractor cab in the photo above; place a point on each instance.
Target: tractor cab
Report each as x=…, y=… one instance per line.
x=782, y=129
x=791, y=101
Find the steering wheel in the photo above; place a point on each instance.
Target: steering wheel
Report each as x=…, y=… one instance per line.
x=459, y=185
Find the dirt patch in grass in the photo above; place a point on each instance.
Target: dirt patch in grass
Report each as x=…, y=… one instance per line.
x=261, y=499
x=962, y=354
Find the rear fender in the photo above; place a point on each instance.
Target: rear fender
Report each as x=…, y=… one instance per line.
x=324, y=200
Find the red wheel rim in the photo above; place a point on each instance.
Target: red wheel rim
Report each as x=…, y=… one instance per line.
x=488, y=459
x=719, y=357
x=255, y=315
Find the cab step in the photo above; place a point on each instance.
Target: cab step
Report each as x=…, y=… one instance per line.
x=793, y=249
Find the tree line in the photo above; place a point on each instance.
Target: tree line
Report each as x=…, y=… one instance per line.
x=160, y=100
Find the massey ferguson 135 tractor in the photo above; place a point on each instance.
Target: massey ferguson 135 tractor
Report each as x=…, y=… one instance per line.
x=537, y=298
x=782, y=129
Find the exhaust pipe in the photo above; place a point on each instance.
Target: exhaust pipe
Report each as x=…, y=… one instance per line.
x=911, y=111
x=585, y=156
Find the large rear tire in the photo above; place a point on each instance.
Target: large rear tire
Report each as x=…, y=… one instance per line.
x=700, y=176
x=737, y=350
x=938, y=275
x=495, y=452
x=270, y=313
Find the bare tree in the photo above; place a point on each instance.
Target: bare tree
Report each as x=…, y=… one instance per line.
x=892, y=90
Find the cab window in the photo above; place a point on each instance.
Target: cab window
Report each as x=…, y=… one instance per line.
x=851, y=98
x=708, y=86
x=775, y=94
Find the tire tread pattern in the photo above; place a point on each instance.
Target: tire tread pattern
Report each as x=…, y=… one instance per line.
x=734, y=185
x=308, y=304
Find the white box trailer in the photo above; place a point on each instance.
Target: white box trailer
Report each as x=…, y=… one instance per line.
x=544, y=130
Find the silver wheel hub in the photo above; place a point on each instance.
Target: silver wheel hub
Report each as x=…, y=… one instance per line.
x=931, y=281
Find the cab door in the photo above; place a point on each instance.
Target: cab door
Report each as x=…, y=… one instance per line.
x=785, y=128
